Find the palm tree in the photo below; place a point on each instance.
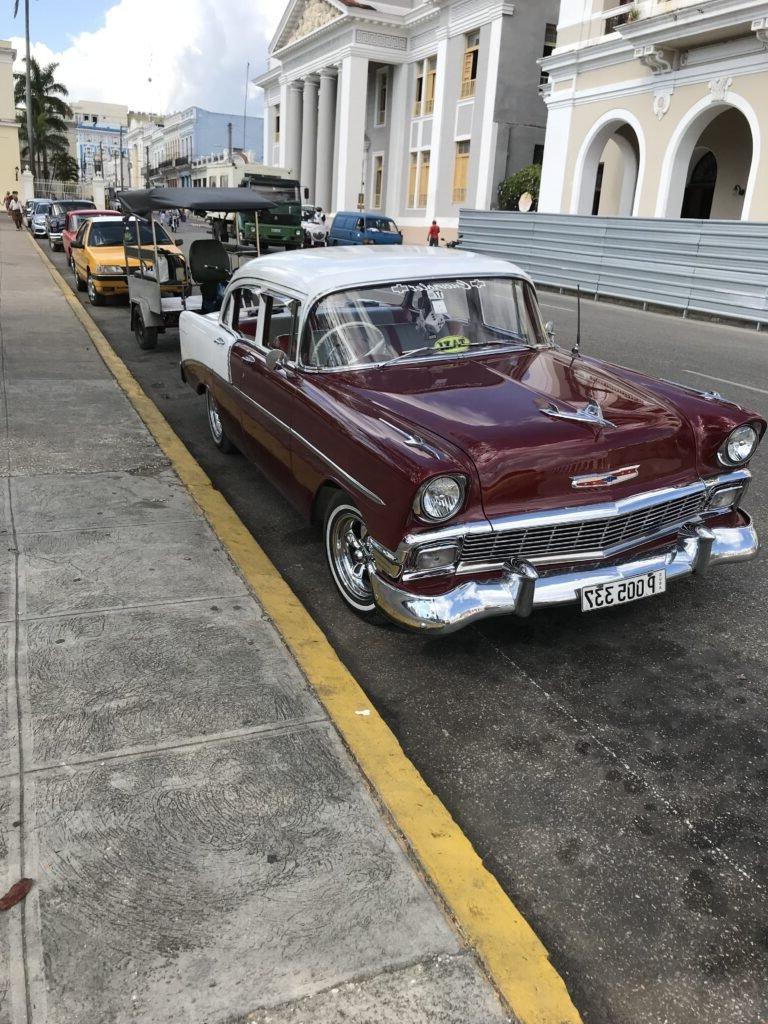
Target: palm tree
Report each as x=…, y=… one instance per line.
x=64, y=167
x=28, y=91
x=49, y=113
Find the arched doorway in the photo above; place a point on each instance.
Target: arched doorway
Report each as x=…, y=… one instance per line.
x=700, y=190
x=608, y=174
x=709, y=169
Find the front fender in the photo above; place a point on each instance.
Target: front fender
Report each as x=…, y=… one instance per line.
x=378, y=461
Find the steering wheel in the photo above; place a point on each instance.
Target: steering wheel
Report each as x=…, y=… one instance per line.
x=341, y=328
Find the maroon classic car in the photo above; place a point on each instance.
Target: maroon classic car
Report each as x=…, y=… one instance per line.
x=72, y=223
x=463, y=465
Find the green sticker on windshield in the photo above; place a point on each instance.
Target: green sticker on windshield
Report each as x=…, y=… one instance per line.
x=453, y=343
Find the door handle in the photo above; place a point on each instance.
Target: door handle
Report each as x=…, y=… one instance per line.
x=248, y=358
x=219, y=341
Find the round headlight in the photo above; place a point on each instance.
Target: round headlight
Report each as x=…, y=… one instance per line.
x=739, y=446
x=439, y=499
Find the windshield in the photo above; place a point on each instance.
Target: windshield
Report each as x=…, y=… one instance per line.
x=42, y=208
x=380, y=224
x=407, y=320
x=112, y=232
x=72, y=204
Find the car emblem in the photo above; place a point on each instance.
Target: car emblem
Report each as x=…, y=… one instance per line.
x=616, y=476
x=591, y=414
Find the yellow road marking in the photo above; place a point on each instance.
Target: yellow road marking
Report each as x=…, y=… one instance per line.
x=512, y=953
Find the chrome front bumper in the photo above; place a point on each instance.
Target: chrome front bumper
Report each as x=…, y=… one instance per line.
x=521, y=589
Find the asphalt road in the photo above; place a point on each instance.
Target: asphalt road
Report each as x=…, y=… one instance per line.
x=610, y=768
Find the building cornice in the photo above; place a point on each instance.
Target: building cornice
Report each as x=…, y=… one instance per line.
x=686, y=23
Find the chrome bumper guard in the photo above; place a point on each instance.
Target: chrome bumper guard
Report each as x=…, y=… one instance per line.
x=521, y=589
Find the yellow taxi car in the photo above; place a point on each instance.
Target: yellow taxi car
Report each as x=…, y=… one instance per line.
x=99, y=261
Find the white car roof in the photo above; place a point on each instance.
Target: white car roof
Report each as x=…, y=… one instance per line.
x=317, y=272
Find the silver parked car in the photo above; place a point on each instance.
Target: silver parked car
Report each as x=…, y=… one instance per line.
x=36, y=221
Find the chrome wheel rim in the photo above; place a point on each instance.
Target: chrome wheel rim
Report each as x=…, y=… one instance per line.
x=214, y=419
x=348, y=549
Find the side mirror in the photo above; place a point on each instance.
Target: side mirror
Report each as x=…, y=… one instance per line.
x=275, y=358
x=178, y=241
x=76, y=245
x=306, y=193
x=549, y=327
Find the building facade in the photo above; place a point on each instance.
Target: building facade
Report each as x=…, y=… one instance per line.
x=658, y=108
x=414, y=107
x=96, y=139
x=162, y=151
x=10, y=157
x=225, y=169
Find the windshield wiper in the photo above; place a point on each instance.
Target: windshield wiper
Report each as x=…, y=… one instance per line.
x=457, y=351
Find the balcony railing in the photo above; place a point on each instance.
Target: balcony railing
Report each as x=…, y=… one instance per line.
x=165, y=163
x=429, y=106
x=422, y=199
x=468, y=88
x=180, y=161
x=459, y=195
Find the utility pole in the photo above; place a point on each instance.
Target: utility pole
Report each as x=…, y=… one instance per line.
x=229, y=138
x=146, y=166
x=245, y=102
x=28, y=92
x=121, y=158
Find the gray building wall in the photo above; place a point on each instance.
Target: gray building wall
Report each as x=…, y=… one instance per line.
x=520, y=112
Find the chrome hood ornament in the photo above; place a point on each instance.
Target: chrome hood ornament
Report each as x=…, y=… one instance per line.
x=610, y=479
x=591, y=414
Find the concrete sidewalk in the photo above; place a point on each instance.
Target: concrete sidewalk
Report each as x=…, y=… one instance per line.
x=202, y=846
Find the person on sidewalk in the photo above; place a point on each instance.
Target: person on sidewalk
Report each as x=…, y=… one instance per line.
x=7, y=202
x=433, y=235
x=14, y=208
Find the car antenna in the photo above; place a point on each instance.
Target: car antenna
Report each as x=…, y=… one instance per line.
x=576, y=350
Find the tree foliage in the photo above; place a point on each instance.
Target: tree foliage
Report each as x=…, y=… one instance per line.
x=50, y=112
x=528, y=179
x=64, y=167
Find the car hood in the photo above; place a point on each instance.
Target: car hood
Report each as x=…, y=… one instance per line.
x=114, y=255
x=494, y=410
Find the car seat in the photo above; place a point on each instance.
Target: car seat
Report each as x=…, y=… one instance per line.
x=209, y=267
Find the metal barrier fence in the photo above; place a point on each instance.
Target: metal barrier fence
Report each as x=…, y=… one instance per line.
x=47, y=188
x=718, y=267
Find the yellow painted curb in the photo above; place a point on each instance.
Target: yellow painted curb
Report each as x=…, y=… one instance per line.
x=513, y=955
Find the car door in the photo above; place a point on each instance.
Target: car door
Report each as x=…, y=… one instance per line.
x=78, y=251
x=266, y=396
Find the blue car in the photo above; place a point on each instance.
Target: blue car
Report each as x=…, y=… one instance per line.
x=355, y=228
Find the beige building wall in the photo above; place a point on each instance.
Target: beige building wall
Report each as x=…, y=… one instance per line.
x=712, y=96
x=10, y=158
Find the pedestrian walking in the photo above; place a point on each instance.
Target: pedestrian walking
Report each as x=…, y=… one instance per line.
x=14, y=208
x=7, y=202
x=433, y=235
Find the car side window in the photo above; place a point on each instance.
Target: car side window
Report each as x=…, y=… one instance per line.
x=280, y=316
x=243, y=308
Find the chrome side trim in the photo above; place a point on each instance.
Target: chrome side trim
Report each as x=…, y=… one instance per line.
x=342, y=472
x=321, y=455
x=414, y=441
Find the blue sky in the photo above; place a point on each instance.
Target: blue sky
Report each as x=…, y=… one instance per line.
x=151, y=55
x=52, y=21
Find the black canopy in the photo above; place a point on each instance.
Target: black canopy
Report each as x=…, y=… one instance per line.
x=142, y=201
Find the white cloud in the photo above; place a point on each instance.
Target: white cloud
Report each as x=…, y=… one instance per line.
x=164, y=55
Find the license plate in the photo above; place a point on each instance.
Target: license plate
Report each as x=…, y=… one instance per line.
x=608, y=595
x=275, y=231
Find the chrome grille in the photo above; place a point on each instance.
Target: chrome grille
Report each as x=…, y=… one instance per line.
x=582, y=537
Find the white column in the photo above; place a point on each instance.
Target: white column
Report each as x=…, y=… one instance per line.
x=325, y=138
x=293, y=128
x=437, y=148
x=490, y=130
x=283, y=147
x=26, y=185
x=554, y=167
x=98, y=186
x=267, y=145
x=396, y=155
x=353, y=96
x=309, y=136
x=336, y=136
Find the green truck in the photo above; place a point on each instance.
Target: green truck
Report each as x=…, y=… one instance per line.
x=282, y=224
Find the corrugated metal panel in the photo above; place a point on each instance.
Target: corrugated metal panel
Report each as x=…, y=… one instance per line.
x=717, y=267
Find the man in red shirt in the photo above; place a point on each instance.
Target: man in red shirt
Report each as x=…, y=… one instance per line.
x=433, y=235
